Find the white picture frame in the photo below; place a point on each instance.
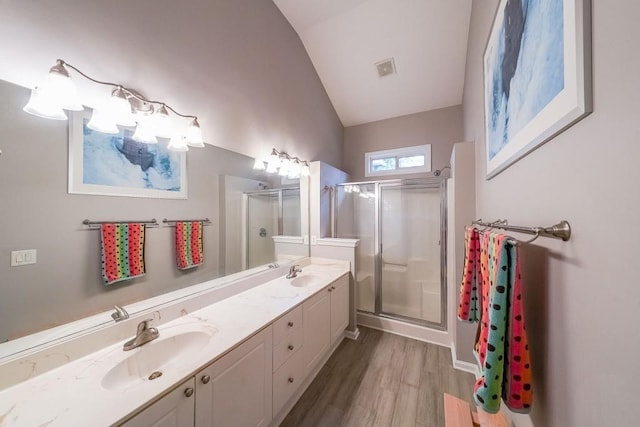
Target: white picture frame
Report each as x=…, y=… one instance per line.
x=537, y=76
x=100, y=164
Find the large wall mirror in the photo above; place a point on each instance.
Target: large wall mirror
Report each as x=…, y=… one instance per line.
x=247, y=209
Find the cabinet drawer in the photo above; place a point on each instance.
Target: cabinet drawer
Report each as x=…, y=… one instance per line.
x=286, y=324
x=286, y=381
x=287, y=347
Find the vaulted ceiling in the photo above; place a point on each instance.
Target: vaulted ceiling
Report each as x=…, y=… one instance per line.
x=427, y=40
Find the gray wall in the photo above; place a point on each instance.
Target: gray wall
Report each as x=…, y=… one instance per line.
x=581, y=296
x=37, y=213
x=441, y=128
x=236, y=64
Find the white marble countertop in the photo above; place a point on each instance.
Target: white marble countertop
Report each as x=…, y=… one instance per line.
x=73, y=394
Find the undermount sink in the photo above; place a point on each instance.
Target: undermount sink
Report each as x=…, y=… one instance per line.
x=302, y=281
x=150, y=360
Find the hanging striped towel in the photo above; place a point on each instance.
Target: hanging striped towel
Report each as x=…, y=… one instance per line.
x=189, y=248
x=502, y=348
x=470, y=288
x=122, y=251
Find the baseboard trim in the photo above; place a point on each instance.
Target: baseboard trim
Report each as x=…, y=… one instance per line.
x=407, y=330
x=352, y=335
x=461, y=365
x=517, y=420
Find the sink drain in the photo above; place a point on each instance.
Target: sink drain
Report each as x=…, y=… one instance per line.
x=155, y=375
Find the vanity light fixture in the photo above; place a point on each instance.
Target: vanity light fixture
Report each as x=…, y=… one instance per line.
x=284, y=165
x=125, y=108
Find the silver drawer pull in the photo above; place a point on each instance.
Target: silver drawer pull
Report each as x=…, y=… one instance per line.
x=290, y=324
x=291, y=380
x=205, y=379
x=290, y=347
x=188, y=392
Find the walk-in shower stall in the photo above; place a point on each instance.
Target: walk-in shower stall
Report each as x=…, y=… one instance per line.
x=269, y=213
x=401, y=259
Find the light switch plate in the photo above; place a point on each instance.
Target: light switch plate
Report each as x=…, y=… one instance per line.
x=24, y=257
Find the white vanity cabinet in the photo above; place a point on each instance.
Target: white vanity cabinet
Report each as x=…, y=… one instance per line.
x=288, y=338
x=326, y=315
x=317, y=329
x=236, y=389
x=257, y=380
x=176, y=409
x=339, y=307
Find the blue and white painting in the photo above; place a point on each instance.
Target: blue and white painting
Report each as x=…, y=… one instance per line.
x=116, y=165
x=525, y=66
x=119, y=161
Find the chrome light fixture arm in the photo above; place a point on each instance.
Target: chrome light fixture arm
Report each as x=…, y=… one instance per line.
x=60, y=68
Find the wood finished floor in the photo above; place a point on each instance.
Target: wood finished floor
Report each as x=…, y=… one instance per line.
x=381, y=380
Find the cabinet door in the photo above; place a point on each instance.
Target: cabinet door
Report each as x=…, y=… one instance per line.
x=339, y=307
x=236, y=390
x=176, y=409
x=316, y=313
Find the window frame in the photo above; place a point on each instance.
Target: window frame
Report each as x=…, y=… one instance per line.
x=397, y=153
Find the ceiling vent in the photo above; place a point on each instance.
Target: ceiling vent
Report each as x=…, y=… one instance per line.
x=386, y=67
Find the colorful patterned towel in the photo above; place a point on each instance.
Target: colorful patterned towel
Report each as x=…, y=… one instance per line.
x=189, y=248
x=122, y=251
x=502, y=348
x=469, y=309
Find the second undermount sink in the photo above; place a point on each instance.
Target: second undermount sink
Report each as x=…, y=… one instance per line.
x=150, y=360
x=302, y=281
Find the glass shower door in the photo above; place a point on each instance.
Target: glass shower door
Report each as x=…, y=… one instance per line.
x=262, y=225
x=410, y=264
x=291, y=212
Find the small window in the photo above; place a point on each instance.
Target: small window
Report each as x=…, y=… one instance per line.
x=382, y=165
x=398, y=161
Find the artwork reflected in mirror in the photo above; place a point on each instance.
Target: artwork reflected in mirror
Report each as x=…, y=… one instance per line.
x=65, y=284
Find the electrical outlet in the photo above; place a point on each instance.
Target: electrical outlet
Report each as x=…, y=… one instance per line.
x=24, y=257
x=314, y=240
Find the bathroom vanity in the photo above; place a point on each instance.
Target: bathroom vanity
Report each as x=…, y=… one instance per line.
x=241, y=361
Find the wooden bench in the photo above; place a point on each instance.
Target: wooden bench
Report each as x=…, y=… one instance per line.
x=458, y=413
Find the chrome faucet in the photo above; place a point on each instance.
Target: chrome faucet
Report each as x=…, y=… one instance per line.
x=120, y=314
x=144, y=334
x=293, y=271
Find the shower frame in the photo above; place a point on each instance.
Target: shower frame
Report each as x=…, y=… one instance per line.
x=431, y=182
x=246, y=213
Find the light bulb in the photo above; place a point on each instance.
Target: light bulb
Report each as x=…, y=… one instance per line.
x=274, y=162
x=160, y=122
x=101, y=122
x=144, y=132
x=272, y=168
x=305, y=171
x=259, y=165
x=38, y=105
x=59, y=89
x=118, y=108
x=295, y=169
x=194, y=134
x=285, y=166
x=178, y=143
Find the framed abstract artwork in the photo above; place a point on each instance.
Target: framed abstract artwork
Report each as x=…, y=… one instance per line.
x=537, y=76
x=116, y=165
